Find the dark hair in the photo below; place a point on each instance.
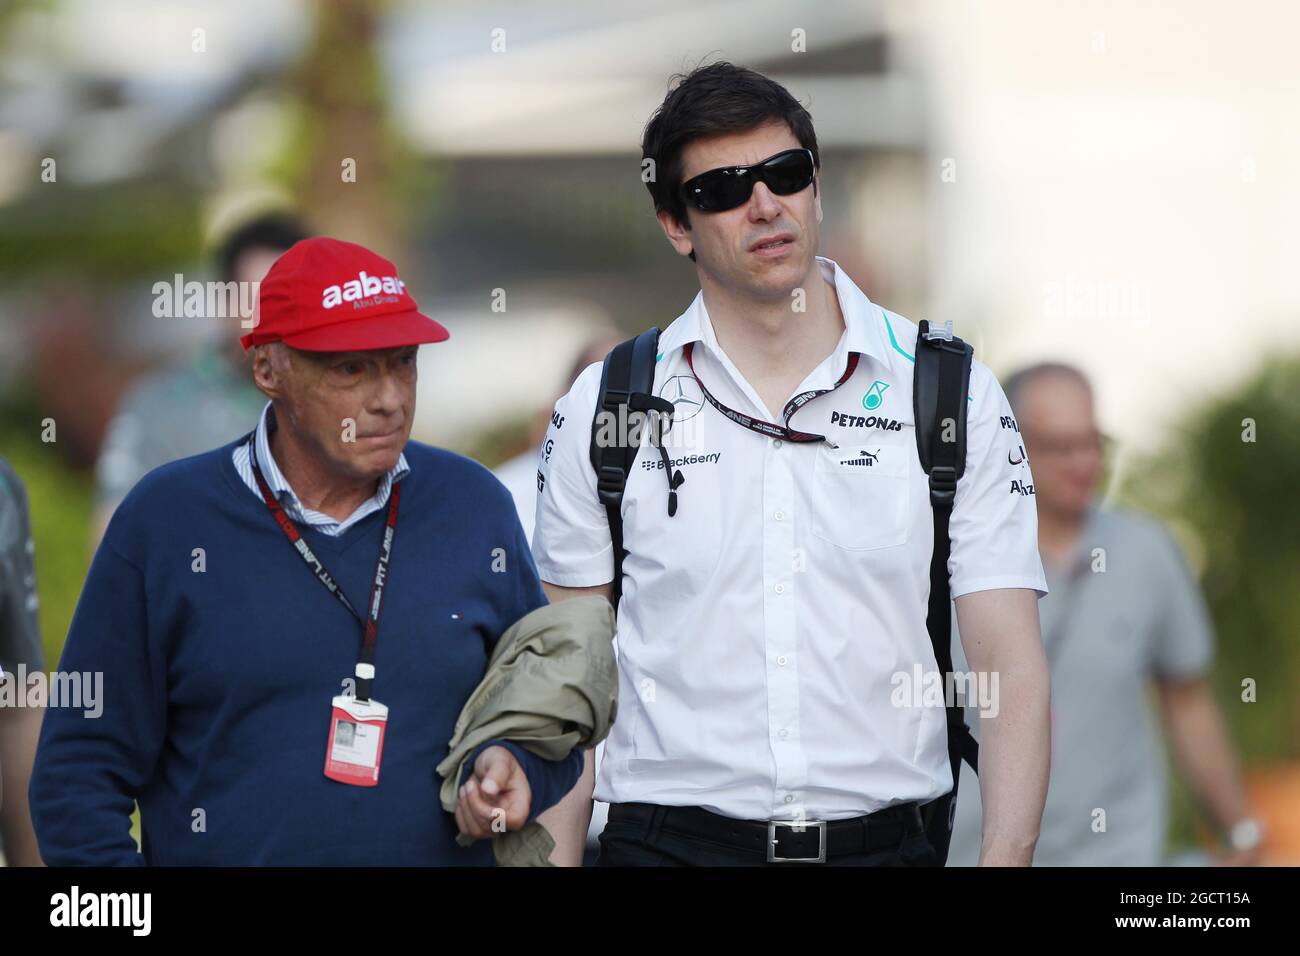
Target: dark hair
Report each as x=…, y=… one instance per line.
x=712, y=100
x=1018, y=381
x=272, y=231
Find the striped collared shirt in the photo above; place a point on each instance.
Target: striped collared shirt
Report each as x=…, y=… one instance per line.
x=288, y=500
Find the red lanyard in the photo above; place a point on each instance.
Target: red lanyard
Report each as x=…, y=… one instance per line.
x=366, y=660
x=771, y=429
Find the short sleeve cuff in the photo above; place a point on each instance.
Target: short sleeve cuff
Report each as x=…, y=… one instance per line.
x=1194, y=670
x=971, y=585
x=589, y=576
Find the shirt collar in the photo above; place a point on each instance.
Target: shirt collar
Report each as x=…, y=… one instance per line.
x=861, y=318
x=279, y=485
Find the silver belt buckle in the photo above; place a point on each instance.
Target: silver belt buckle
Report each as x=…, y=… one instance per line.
x=820, y=825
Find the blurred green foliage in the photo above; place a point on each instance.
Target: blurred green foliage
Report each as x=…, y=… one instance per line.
x=1230, y=499
x=1234, y=497
x=105, y=233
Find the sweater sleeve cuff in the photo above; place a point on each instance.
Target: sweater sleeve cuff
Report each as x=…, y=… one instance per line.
x=549, y=780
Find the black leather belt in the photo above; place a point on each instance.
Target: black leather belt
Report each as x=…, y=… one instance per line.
x=782, y=841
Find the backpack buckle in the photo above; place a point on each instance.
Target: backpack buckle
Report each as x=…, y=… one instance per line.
x=610, y=481
x=943, y=332
x=943, y=484
x=615, y=397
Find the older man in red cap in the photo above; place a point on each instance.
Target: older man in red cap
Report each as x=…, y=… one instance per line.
x=235, y=609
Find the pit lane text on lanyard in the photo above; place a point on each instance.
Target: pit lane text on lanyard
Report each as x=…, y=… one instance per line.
x=355, y=743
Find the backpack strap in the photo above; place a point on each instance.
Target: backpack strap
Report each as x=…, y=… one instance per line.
x=941, y=382
x=626, y=385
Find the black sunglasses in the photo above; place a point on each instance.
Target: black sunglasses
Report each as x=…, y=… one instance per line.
x=730, y=186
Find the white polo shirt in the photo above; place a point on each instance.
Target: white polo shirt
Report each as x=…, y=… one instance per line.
x=761, y=627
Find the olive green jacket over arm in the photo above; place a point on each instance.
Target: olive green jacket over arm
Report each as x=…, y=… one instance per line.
x=551, y=685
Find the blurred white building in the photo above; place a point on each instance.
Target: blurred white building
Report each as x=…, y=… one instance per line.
x=1106, y=183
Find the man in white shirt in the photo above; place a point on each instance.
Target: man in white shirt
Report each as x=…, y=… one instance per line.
x=765, y=623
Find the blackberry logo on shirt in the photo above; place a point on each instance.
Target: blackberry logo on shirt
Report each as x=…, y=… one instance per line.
x=869, y=421
x=865, y=459
x=875, y=395
x=703, y=458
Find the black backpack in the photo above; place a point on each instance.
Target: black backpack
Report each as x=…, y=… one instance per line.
x=941, y=381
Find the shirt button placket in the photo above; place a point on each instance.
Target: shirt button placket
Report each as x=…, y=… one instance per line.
x=779, y=630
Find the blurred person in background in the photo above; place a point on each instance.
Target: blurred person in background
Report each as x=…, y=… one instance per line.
x=205, y=400
x=576, y=813
x=20, y=646
x=519, y=474
x=1123, y=612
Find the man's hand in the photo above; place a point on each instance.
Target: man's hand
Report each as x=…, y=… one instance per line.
x=1203, y=750
x=496, y=797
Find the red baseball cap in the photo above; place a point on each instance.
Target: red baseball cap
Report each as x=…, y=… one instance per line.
x=326, y=295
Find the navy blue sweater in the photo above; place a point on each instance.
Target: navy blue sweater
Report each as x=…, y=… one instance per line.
x=217, y=683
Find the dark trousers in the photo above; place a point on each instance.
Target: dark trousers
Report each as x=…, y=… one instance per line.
x=656, y=843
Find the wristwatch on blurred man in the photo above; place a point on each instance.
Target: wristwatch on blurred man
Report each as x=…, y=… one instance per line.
x=1245, y=835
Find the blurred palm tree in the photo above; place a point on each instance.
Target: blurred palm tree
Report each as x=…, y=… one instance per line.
x=352, y=171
